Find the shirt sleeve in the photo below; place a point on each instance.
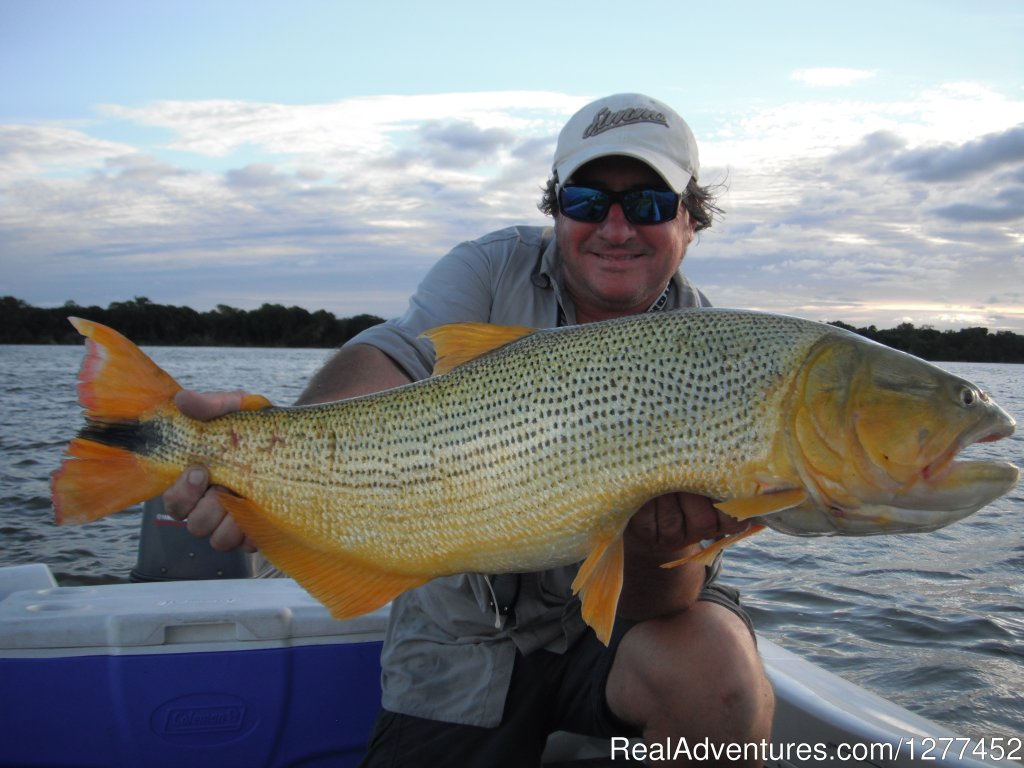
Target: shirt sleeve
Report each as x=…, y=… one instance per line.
x=458, y=288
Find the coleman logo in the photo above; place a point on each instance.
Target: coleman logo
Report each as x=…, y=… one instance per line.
x=196, y=719
x=605, y=120
x=203, y=719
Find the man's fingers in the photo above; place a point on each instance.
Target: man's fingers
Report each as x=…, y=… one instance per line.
x=186, y=492
x=208, y=405
x=701, y=520
x=680, y=519
x=205, y=515
x=227, y=536
x=209, y=519
x=730, y=525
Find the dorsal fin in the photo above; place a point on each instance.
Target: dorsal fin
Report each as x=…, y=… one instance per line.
x=458, y=343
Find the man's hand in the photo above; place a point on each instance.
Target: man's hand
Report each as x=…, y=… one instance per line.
x=192, y=498
x=668, y=528
x=354, y=370
x=669, y=523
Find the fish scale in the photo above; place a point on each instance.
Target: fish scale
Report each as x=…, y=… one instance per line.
x=537, y=449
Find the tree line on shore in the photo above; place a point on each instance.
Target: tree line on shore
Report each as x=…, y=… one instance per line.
x=145, y=322
x=274, y=325
x=966, y=345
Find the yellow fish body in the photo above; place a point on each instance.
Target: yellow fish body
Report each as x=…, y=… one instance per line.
x=528, y=450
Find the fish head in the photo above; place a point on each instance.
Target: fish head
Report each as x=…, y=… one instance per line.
x=876, y=435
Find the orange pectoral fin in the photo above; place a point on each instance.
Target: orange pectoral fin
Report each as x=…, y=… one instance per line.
x=707, y=555
x=458, y=343
x=763, y=504
x=348, y=585
x=599, y=583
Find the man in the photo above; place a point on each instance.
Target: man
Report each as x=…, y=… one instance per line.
x=479, y=669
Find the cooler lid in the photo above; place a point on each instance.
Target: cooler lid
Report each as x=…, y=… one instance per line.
x=173, y=617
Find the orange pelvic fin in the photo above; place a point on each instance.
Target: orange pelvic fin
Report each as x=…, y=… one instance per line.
x=707, y=555
x=347, y=585
x=458, y=343
x=599, y=583
x=763, y=504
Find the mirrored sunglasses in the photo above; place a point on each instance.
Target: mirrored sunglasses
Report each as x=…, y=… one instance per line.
x=640, y=206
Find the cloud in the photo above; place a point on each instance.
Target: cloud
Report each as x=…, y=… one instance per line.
x=1007, y=206
x=348, y=131
x=888, y=218
x=256, y=176
x=461, y=143
x=835, y=209
x=872, y=151
x=831, y=77
x=32, y=150
x=951, y=162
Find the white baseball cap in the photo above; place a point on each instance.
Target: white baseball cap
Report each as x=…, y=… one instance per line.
x=633, y=125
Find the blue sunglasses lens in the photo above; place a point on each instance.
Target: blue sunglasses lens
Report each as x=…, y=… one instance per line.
x=640, y=206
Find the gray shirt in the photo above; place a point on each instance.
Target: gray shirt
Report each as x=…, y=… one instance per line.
x=448, y=654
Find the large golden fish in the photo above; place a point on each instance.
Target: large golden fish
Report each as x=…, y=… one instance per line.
x=532, y=449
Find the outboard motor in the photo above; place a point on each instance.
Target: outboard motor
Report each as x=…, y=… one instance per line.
x=168, y=552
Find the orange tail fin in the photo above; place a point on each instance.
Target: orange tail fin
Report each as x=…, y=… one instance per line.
x=119, y=387
x=118, y=381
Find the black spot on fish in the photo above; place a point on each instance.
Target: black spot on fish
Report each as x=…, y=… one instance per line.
x=136, y=436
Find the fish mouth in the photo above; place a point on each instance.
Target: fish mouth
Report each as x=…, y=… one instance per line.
x=963, y=489
x=963, y=486
x=982, y=433
x=967, y=486
x=947, y=490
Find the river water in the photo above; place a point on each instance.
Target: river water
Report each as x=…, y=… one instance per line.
x=932, y=621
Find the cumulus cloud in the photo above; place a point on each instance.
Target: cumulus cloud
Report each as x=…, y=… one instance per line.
x=1007, y=205
x=462, y=144
x=28, y=151
x=358, y=195
x=867, y=212
x=951, y=162
x=255, y=176
x=888, y=225
x=353, y=129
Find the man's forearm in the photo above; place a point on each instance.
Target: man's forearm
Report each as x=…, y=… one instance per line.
x=357, y=370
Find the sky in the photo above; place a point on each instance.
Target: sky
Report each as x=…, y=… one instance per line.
x=869, y=156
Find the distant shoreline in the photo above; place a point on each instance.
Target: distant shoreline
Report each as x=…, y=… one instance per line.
x=276, y=326
x=146, y=323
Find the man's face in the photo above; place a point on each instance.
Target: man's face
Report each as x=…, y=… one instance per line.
x=613, y=267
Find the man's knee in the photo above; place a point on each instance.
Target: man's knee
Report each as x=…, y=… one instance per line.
x=699, y=667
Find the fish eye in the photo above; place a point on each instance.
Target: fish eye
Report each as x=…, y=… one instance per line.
x=968, y=396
